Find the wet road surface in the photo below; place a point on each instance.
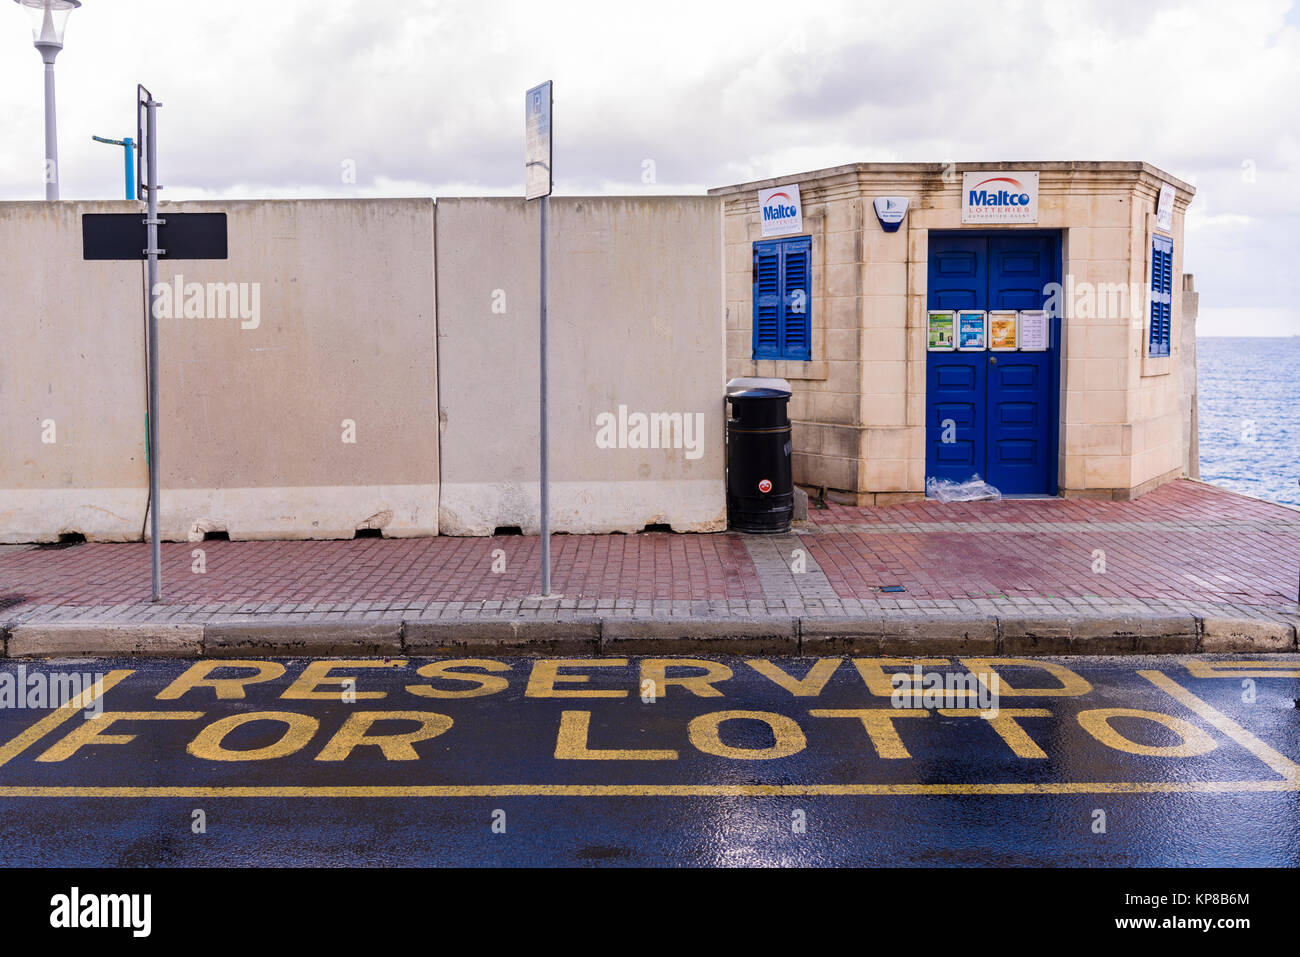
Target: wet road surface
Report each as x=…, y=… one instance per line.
x=1160, y=761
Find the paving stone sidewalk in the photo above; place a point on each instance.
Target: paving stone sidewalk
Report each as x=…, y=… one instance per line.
x=1188, y=567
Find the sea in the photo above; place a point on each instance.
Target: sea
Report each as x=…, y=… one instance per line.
x=1250, y=415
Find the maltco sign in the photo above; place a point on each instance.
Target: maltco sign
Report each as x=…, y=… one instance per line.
x=780, y=210
x=999, y=197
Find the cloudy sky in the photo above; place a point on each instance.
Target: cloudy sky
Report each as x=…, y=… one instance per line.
x=425, y=97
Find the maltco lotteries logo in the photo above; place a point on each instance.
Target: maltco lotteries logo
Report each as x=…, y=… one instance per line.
x=780, y=210
x=779, y=207
x=999, y=197
x=993, y=192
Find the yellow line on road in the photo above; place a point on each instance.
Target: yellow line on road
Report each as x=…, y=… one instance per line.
x=653, y=790
x=1276, y=760
x=41, y=728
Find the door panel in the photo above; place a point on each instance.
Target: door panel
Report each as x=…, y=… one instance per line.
x=955, y=427
x=955, y=382
x=1021, y=450
x=1018, y=404
x=958, y=273
x=997, y=409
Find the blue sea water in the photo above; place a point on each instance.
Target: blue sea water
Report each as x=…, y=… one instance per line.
x=1249, y=405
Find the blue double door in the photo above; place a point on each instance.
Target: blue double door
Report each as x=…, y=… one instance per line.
x=994, y=413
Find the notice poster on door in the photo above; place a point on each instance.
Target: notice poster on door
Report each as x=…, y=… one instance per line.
x=1034, y=334
x=942, y=325
x=1002, y=330
x=972, y=330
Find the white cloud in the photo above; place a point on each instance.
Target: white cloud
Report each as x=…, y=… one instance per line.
x=426, y=97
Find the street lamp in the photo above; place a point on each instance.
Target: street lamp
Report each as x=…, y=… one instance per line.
x=49, y=19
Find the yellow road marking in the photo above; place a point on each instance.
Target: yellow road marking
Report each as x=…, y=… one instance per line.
x=654, y=790
x=789, y=739
x=1276, y=760
x=1242, y=669
x=1192, y=741
x=1282, y=765
x=61, y=714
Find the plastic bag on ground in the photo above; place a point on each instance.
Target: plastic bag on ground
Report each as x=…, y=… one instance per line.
x=974, y=489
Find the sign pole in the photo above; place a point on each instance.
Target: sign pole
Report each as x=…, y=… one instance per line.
x=545, y=426
x=537, y=185
x=152, y=222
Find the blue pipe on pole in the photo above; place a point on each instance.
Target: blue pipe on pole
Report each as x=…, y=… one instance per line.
x=128, y=159
x=129, y=146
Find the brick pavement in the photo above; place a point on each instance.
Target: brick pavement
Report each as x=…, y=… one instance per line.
x=1185, y=548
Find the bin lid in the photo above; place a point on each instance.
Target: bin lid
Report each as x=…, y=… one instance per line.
x=752, y=387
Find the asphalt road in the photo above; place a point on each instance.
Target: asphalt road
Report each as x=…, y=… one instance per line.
x=1159, y=761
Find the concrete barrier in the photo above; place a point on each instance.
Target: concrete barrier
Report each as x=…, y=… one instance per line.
x=300, y=378
x=636, y=329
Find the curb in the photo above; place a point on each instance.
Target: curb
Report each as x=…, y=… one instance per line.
x=900, y=635
x=1246, y=636
x=95, y=639
x=905, y=635
x=1102, y=635
x=691, y=636
x=504, y=636
x=242, y=639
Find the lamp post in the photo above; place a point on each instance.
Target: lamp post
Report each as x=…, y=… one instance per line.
x=49, y=19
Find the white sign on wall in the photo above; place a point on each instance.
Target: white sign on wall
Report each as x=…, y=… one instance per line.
x=1165, y=209
x=999, y=196
x=780, y=210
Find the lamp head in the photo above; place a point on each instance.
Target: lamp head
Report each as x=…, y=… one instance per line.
x=49, y=20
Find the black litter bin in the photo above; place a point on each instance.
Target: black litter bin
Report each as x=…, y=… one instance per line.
x=760, y=480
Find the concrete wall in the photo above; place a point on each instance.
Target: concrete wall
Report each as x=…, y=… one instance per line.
x=320, y=414
x=859, y=407
x=636, y=320
x=251, y=419
x=71, y=371
x=1190, y=399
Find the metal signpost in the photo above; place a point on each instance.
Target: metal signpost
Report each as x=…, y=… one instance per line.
x=127, y=237
x=537, y=185
x=148, y=171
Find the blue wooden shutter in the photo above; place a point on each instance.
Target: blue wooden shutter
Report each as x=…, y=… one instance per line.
x=796, y=299
x=1162, y=289
x=767, y=300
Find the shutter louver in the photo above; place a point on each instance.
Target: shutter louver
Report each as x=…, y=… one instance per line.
x=1160, y=334
x=796, y=299
x=767, y=301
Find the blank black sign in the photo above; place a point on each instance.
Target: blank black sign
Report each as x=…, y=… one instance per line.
x=183, y=236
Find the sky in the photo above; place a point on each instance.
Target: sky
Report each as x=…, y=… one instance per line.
x=289, y=98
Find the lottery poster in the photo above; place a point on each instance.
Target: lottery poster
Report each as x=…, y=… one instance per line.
x=942, y=327
x=1002, y=331
x=972, y=331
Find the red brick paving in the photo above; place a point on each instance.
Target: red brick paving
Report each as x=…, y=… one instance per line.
x=654, y=566
x=1174, y=502
x=1252, y=566
x=1211, y=565
x=1221, y=567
